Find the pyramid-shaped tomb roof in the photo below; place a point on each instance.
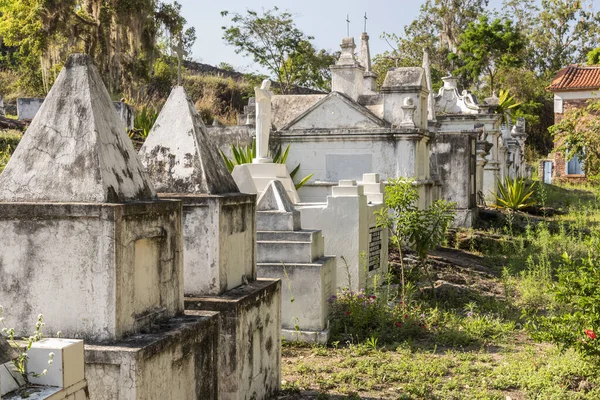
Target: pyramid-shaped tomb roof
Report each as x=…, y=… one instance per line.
x=76, y=148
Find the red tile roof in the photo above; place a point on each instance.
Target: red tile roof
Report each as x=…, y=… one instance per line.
x=575, y=77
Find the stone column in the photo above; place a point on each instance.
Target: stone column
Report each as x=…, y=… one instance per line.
x=263, y=122
x=491, y=171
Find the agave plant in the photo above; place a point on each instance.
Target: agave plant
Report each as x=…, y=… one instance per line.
x=506, y=105
x=144, y=121
x=245, y=155
x=514, y=194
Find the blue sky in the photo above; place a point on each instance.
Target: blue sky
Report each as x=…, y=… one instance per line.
x=323, y=19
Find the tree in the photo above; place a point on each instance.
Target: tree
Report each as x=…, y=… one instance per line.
x=564, y=33
x=421, y=229
x=121, y=35
x=270, y=38
x=593, y=57
x=436, y=29
x=578, y=133
x=309, y=68
x=486, y=47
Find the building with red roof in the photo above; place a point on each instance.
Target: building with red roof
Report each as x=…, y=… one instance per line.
x=573, y=87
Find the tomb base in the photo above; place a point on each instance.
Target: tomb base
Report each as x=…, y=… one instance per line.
x=254, y=178
x=464, y=218
x=176, y=361
x=250, y=344
x=305, y=294
x=316, y=337
x=218, y=246
x=97, y=272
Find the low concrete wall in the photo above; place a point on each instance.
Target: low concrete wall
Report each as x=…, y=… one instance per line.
x=250, y=343
x=177, y=361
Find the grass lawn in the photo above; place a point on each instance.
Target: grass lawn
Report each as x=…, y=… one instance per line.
x=489, y=283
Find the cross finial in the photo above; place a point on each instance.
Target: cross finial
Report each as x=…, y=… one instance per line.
x=365, y=22
x=347, y=25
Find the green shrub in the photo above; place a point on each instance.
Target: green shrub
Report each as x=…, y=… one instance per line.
x=420, y=229
x=8, y=143
x=357, y=317
x=576, y=321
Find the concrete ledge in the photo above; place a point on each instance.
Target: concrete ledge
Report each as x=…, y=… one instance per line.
x=317, y=337
x=163, y=364
x=250, y=345
x=199, y=199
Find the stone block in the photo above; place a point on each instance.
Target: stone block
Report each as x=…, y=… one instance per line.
x=281, y=251
x=10, y=378
x=371, y=178
x=277, y=221
x=254, y=178
x=219, y=236
x=27, y=108
x=306, y=290
x=249, y=344
x=67, y=367
x=178, y=360
x=349, y=227
x=95, y=271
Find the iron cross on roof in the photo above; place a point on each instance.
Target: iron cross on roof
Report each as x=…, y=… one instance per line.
x=347, y=25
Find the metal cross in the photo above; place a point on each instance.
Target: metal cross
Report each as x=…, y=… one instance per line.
x=348, y=25
x=365, y=22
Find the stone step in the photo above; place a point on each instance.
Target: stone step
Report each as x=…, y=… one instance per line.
x=305, y=235
x=291, y=251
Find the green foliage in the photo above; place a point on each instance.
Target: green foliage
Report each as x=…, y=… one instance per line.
x=593, y=57
x=123, y=36
x=578, y=133
x=309, y=68
x=506, y=105
x=514, y=194
x=8, y=143
x=437, y=29
x=576, y=321
x=245, y=155
x=366, y=315
x=144, y=120
x=486, y=47
x=420, y=229
x=270, y=38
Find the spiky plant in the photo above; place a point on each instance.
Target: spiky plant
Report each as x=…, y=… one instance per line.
x=514, y=194
x=245, y=155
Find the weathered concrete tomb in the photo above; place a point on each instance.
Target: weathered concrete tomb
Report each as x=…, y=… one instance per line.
x=87, y=243
x=296, y=256
x=219, y=249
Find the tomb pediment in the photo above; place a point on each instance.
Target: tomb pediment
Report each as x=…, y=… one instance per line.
x=336, y=111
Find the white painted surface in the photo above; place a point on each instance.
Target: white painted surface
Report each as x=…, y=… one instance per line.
x=76, y=265
x=67, y=367
x=254, y=178
x=219, y=244
x=345, y=221
x=76, y=148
